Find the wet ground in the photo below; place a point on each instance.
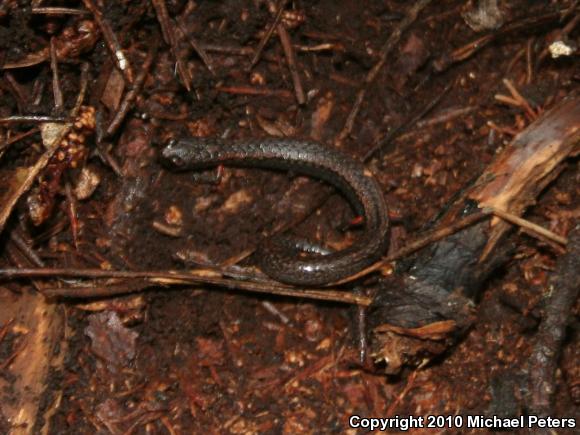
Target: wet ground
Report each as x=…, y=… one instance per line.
x=187, y=359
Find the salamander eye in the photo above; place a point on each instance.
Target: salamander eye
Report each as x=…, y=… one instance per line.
x=177, y=160
x=171, y=154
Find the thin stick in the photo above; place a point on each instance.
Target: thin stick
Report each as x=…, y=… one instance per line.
x=31, y=175
x=56, y=91
x=174, y=277
x=268, y=35
x=247, y=90
x=20, y=94
x=167, y=27
x=446, y=116
x=73, y=218
x=58, y=11
x=34, y=119
x=374, y=72
x=196, y=46
x=132, y=94
x=16, y=138
x=111, y=41
x=534, y=228
x=518, y=97
x=382, y=143
x=291, y=60
x=419, y=243
x=82, y=91
x=12, y=198
x=445, y=61
x=530, y=61
x=25, y=249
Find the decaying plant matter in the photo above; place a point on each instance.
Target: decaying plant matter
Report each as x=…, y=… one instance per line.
x=467, y=114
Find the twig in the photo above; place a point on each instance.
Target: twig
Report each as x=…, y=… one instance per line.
x=5, y=328
x=167, y=27
x=20, y=94
x=507, y=100
x=72, y=212
x=237, y=51
x=196, y=46
x=281, y=6
x=318, y=47
x=530, y=61
x=419, y=243
x=82, y=91
x=11, y=357
x=446, y=116
x=25, y=249
x=34, y=119
x=502, y=130
x=12, y=197
x=174, y=277
x=408, y=386
x=24, y=185
x=373, y=73
x=534, y=228
x=37, y=91
x=57, y=11
x=103, y=151
x=248, y=90
x=520, y=99
x=227, y=49
x=385, y=140
x=515, y=59
x=58, y=99
x=560, y=35
x=132, y=94
x=291, y=60
x=468, y=50
x=564, y=290
x=248, y=51
x=571, y=9
x=111, y=41
x=16, y=138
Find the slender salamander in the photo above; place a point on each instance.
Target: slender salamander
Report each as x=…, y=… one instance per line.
x=280, y=257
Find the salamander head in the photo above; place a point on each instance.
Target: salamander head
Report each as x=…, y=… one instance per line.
x=175, y=154
x=192, y=153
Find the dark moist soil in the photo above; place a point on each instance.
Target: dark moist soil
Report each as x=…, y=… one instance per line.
x=204, y=359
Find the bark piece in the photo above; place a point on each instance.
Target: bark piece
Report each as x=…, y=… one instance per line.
x=445, y=278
